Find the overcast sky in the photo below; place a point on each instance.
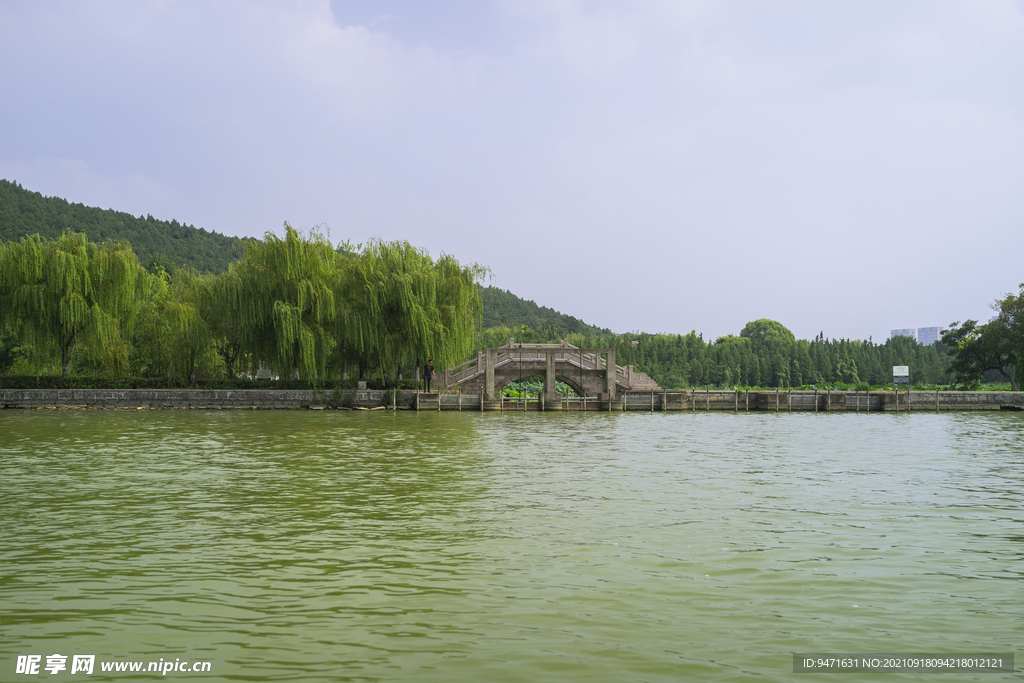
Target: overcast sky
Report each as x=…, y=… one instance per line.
x=656, y=165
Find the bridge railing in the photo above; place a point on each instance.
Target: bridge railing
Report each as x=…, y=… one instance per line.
x=624, y=376
x=460, y=373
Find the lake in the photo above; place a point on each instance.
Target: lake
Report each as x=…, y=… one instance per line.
x=341, y=546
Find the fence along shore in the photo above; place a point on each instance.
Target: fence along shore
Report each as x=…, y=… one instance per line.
x=659, y=400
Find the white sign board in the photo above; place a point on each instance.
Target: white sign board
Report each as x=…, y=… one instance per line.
x=901, y=371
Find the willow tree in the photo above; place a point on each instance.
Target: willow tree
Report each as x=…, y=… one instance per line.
x=150, y=355
x=216, y=309
x=10, y=340
x=71, y=291
x=400, y=304
x=281, y=298
x=171, y=336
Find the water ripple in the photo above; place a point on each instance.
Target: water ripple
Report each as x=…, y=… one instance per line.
x=529, y=547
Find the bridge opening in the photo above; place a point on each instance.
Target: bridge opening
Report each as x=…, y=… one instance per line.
x=533, y=385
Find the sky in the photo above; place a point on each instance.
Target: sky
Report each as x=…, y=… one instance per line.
x=843, y=167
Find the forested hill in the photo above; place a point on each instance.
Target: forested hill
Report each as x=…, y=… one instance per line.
x=173, y=245
x=503, y=308
x=168, y=243
x=764, y=354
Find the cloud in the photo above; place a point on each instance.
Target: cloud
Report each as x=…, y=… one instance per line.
x=73, y=180
x=562, y=142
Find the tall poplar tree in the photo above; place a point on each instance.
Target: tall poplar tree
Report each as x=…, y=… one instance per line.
x=71, y=291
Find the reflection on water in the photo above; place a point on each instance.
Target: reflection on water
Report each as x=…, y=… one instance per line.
x=518, y=547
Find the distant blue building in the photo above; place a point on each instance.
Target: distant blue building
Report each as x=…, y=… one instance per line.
x=929, y=335
x=906, y=332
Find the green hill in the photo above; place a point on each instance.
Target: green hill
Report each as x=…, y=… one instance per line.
x=502, y=307
x=167, y=243
x=172, y=245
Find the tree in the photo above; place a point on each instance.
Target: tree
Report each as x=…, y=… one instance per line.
x=846, y=369
x=156, y=242
x=772, y=342
x=1011, y=317
x=171, y=337
x=224, y=327
x=976, y=349
x=9, y=342
x=71, y=291
x=189, y=330
x=151, y=339
x=401, y=306
x=768, y=335
x=281, y=297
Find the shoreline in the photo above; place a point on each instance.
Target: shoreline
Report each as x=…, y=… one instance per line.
x=684, y=400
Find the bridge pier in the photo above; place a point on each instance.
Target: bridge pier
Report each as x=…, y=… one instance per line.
x=609, y=372
x=551, y=399
x=489, y=393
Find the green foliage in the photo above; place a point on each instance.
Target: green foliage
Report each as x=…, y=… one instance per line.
x=1011, y=317
x=775, y=359
x=309, y=309
x=532, y=386
x=401, y=307
x=502, y=308
x=767, y=335
x=166, y=244
x=108, y=381
x=281, y=299
x=71, y=291
x=996, y=346
x=70, y=300
x=171, y=336
x=10, y=347
x=225, y=328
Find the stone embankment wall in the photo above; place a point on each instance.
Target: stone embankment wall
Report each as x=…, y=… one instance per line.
x=257, y=399
x=823, y=401
x=657, y=401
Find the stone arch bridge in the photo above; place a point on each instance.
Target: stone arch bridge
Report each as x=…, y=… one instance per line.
x=590, y=372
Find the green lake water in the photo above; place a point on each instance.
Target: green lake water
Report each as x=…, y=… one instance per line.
x=340, y=546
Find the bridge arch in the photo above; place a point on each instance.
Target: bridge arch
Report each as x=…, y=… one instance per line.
x=502, y=381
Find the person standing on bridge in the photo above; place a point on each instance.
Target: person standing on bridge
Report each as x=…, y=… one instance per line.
x=428, y=374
